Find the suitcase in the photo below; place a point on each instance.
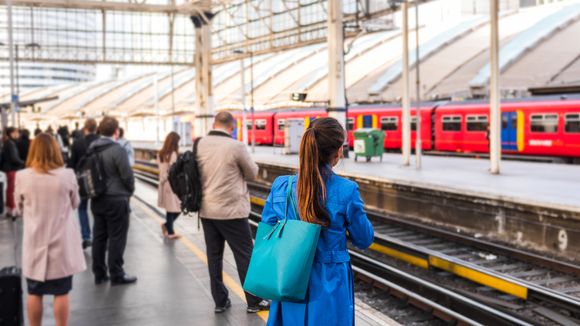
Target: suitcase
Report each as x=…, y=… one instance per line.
x=11, y=306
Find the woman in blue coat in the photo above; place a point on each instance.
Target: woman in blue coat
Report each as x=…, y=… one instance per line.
x=335, y=203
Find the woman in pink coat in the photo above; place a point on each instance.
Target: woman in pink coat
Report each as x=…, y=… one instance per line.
x=166, y=199
x=47, y=195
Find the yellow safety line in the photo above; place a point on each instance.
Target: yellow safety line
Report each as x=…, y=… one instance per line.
x=145, y=169
x=228, y=280
x=413, y=260
x=257, y=201
x=480, y=277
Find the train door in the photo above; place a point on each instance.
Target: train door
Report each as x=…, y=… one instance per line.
x=509, y=131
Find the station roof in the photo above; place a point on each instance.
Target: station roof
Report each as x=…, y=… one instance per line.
x=539, y=48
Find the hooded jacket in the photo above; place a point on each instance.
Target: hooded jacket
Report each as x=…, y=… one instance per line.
x=120, y=179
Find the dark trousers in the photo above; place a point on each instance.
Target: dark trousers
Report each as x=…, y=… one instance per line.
x=111, y=216
x=237, y=234
x=84, y=219
x=169, y=219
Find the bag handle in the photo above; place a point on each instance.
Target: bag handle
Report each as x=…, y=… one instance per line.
x=289, y=198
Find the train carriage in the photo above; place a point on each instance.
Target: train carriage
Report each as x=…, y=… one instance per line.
x=280, y=119
x=262, y=124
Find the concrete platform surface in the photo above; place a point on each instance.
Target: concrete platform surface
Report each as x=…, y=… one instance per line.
x=548, y=185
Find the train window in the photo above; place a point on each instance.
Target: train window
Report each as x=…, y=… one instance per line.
x=350, y=123
x=477, y=123
x=389, y=123
x=261, y=124
x=573, y=123
x=413, y=123
x=281, y=124
x=544, y=122
x=451, y=123
x=249, y=124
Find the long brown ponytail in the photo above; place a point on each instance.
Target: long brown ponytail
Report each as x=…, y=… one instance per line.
x=320, y=142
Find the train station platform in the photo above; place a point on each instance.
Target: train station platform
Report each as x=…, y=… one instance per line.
x=173, y=286
x=541, y=184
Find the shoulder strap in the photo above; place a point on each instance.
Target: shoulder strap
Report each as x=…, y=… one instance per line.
x=290, y=198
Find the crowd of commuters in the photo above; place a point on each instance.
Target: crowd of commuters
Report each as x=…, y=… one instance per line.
x=46, y=194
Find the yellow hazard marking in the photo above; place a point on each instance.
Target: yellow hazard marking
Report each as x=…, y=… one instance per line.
x=228, y=280
x=257, y=201
x=145, y=169
x=520, y=131
x=411, y=259
x=480, y=277
x=359, y=121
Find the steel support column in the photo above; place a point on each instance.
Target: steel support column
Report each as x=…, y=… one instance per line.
x=336, y=78
x=13, y=99
x=494, y=92
x=243, y=101
x=406, y=146
x=203, y=78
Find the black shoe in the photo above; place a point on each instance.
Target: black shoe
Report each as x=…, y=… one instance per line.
x=101, y=279
x=86, y=244
x=262, y=306
x=219, y=310
x=125, y=279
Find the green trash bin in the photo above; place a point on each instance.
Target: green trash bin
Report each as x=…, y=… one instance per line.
x=369, y=142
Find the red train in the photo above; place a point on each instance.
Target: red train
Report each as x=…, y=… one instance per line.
x=543, y=127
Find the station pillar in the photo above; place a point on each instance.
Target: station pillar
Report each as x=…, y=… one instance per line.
x=203, y=77
x=406, y=114
x=494, y=91
x=336, y=76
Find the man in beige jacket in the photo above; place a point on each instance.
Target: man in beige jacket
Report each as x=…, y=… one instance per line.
x=225, y=166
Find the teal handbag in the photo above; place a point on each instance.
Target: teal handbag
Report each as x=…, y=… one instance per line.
x=282, y=258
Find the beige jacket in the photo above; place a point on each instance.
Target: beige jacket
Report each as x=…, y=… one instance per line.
x=52, y=239
x=225, y=166
x=166, y=199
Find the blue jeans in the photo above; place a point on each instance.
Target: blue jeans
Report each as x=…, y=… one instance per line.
x=170, y=218
x=84, y=219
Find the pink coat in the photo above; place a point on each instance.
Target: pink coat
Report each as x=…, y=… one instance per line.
x=166, y=199
x=52, y=239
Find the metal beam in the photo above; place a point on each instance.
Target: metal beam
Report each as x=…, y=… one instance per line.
x=185, y=9
x=336, y=82
x=203, y=80
x=494, y=96
x=406, y=145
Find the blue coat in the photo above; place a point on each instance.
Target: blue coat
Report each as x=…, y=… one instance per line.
x=330, y=296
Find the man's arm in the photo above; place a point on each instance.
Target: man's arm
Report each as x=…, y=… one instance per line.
x=124, y=169
x=247, y=165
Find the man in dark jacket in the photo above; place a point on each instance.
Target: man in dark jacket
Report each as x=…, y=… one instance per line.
x=78, y=150
x=111, y=210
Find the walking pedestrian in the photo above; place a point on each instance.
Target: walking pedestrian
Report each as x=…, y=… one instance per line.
x=335, y=203
x=166, y=199
x=126, y=145
x=47, y=194
x=11, y=162
x=78, y=150
x=225, y=166
x=111, y=210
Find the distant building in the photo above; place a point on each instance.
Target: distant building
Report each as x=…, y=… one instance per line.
x=50, y=27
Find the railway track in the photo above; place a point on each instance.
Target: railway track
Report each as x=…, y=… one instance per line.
x=513, y=284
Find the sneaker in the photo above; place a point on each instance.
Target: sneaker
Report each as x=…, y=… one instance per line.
x=219, y=310
x=262, y=306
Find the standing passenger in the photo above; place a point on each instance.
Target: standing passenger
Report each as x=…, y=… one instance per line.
x=166, y=199
x=126, y=146
x=111, y=210
x=47, y=193
x=78, y=150
x=23, y=144
x=11, y=162
x=225, y=166
x=335, y=203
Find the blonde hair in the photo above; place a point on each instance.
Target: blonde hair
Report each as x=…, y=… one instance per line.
x=44, y=154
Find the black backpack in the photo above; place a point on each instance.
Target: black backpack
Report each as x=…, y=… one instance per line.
x=185, y=180
x=91, y=175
